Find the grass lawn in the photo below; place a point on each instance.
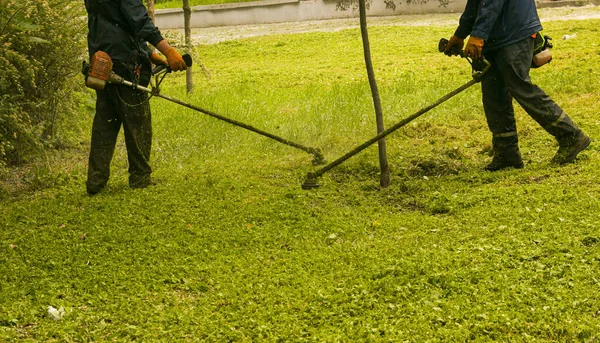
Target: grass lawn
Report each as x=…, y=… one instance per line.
x=226, y=247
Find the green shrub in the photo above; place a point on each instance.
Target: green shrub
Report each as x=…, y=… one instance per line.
x=43, y=42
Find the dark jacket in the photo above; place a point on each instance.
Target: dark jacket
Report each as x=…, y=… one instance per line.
x=499, y=22
x=119, y=27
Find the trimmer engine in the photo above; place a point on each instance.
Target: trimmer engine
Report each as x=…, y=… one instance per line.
x=541, y=50
x=99, y=71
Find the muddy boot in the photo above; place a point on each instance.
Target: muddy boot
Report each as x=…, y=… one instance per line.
x=571, y=140
x=93, y=189
x=506, y=153
x=139, y=181
x=568, y=149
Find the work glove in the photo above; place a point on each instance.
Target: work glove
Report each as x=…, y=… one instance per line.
x=157, y=60
x=455, y=45
x=176, y=62
x=473, y=48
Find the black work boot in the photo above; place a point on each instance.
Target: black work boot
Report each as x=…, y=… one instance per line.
x=96, y=181
x=569, y=149
x=139, y=181
x=93, y=190
x=499, y=163
x=506, y=154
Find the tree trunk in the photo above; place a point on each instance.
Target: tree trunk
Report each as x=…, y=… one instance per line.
x=384, y=180
x=187, y=16
x=151, y=9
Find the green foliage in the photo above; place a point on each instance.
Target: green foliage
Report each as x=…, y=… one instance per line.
x=42, y=45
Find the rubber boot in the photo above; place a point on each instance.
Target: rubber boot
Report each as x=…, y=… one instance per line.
x=571, y=140
x=506, y=153
x=139, y=181
x=569, y=149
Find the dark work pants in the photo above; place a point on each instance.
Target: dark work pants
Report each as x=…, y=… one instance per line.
x=508, y=79
x=118, y=105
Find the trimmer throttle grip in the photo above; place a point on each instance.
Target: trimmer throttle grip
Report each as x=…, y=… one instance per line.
x=444, y=43
x=480, y=66
x=186, y=58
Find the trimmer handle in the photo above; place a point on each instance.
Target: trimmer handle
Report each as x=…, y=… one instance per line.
x=186, y=58
x=444, y=43
x=480, y=65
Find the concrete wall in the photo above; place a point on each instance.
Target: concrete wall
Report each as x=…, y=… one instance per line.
x=273, y=11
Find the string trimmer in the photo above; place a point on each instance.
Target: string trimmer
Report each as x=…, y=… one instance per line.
x=99, y=72
x=479, y=68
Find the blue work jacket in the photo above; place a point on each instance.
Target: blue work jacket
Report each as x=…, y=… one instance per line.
x=119, y=27
x=499, y=22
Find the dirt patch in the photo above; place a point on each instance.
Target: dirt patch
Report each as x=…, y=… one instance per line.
x=214, y=35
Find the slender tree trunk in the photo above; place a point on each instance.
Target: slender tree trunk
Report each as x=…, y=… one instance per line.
x=151, y=9
x=384, y=180
x=187, y=16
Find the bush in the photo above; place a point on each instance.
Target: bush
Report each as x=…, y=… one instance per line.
x=42, y=46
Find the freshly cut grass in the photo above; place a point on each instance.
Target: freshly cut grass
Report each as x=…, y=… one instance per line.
x=226, y=247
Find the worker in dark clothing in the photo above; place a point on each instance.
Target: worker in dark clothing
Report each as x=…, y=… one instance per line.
x=122, y=29
x=504, y=32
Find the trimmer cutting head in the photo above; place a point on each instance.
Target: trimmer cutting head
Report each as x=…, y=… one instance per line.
x=310, y=182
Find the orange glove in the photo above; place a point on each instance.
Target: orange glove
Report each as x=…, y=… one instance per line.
x=176, y=62
x=455, y=44
x=473, y=48
x=157, y=60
